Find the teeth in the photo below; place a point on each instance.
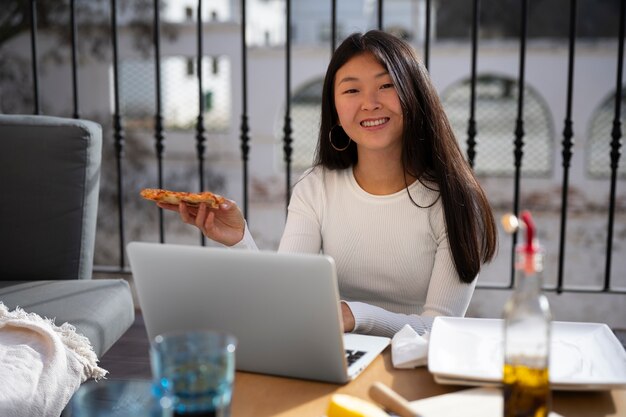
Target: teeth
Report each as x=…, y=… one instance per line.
x=370, y=123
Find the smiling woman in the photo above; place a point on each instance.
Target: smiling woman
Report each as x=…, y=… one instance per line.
x=390, y=197
x=430, y=151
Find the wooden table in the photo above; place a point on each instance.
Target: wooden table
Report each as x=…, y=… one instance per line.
x=263, y=395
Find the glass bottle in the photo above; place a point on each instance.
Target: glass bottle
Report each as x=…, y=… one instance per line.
x=527, y=322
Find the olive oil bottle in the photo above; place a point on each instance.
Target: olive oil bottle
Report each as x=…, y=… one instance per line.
x=527, y=323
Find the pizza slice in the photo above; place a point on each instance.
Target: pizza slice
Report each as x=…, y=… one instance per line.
x=176, y=197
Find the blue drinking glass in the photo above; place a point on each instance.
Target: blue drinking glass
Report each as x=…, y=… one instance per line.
x=195, y=370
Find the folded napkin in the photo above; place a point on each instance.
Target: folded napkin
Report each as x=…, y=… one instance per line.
x=41, y=364
x=409, y=349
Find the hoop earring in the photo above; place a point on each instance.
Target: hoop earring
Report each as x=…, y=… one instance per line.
x=330, y=138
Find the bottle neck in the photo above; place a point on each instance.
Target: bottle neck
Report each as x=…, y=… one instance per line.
x=528, y=272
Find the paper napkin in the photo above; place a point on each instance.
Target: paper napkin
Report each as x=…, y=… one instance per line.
x=409, y=349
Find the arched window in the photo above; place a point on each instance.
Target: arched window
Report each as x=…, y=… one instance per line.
x=496, y=113
x=599, y=142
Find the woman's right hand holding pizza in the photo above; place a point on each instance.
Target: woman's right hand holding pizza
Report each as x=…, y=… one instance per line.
x=224, y=224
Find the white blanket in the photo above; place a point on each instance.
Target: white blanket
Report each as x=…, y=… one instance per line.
x=41, y=364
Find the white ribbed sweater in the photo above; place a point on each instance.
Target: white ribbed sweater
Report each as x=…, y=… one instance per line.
x=393, y=260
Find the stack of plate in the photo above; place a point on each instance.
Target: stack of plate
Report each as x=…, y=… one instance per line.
x=583, y=356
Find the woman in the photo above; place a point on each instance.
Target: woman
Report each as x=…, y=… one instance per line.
x=390, y=196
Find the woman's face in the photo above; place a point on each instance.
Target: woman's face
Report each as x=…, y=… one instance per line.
x=368, y=105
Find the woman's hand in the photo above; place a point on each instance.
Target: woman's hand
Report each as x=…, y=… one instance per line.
x=224, y=224
x=347, y=318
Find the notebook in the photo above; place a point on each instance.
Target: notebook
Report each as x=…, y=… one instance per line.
x=282, y=308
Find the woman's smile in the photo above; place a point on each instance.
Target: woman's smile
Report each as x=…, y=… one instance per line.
x=374, y=122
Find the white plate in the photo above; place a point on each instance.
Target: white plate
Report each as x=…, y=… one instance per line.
x=475, y=402
x=583, y=356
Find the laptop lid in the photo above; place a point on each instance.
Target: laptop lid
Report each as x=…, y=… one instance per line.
x=283, y=308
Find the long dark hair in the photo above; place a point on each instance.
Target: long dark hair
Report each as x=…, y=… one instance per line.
x=430, y=151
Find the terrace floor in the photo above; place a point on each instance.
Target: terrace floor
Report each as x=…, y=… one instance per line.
x=129, y=357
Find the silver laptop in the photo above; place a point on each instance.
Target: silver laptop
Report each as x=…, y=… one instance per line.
x=283, y=308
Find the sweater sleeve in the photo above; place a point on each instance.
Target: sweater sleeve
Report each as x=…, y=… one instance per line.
x=371, y=319
x=444, y=298
x=247, y=242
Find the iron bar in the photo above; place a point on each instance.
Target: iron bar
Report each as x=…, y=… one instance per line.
x=287, y=149
x=118, y=133
x=74, y=64
x=380, y=14
x=427, y=35
x=159, y=136
x=33, y=52
x=519, y=127
x=333, y=26
x=245, y=147
x=200, y=139
x=568, y=134
x=471, y=125
x=616, y=134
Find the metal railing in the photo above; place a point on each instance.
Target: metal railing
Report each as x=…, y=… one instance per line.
x=518, y=129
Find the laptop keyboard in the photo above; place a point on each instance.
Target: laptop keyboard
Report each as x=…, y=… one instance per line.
x=353, y=356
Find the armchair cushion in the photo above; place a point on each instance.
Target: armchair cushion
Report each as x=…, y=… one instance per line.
x=49, y=173
x=100, y=309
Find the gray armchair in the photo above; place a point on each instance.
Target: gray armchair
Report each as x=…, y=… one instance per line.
x=50, y=176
